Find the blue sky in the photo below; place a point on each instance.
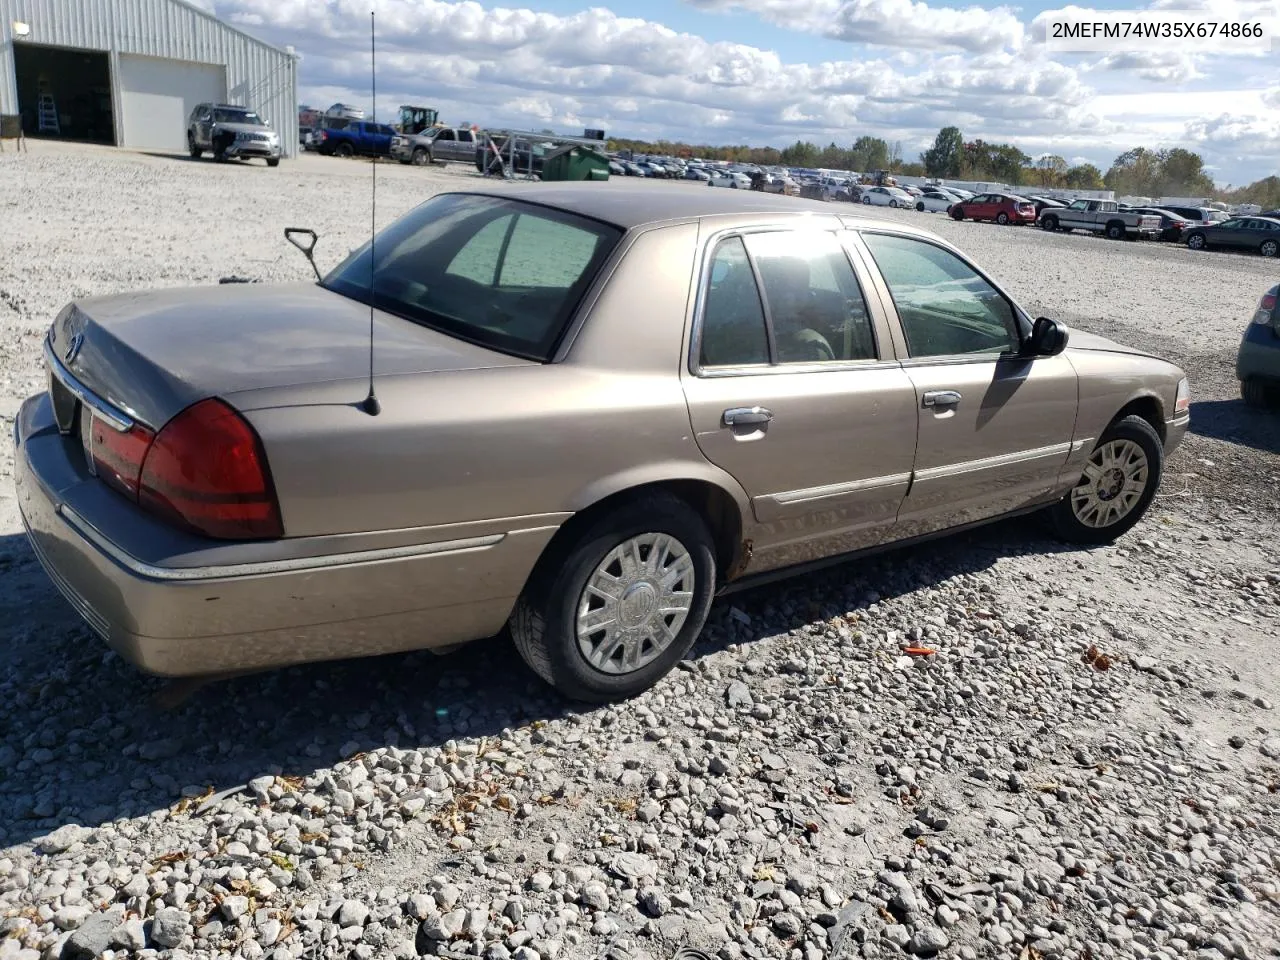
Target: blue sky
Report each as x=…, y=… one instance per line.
x=774, y=71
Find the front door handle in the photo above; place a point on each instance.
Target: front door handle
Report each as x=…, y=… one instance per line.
x=941, y=398
x=747, y=416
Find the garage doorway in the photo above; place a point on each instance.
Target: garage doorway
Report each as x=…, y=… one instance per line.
x=64, y=93
x=158, y=95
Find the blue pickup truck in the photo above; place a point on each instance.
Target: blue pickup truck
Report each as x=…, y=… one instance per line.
x=348, y=138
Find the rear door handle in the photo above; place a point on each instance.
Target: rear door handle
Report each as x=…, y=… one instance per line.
x=746, y=416
x=941, y=398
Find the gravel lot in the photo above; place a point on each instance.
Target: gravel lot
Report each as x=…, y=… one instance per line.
x=1089, y=767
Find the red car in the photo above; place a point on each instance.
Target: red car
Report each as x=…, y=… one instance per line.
x=1001, y=207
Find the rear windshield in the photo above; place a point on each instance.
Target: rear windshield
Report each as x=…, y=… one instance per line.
x=501, y=273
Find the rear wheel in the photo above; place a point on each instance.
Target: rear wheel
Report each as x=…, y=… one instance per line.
x=1002, y=218
x=344, y=150
x=1050, y=223
x=1269, y=248
x=1258, y=393
x=1115, y=230
x=610, y=615
x=192, y=149
x=1117, y=486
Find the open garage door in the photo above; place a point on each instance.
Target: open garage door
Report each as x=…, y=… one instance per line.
x=157, y=96
x=64, y=93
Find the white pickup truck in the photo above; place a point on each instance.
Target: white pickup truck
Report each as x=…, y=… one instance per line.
x=1100, y=216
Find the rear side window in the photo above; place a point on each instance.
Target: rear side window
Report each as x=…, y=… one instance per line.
x=501, y=273
x=815, y=305
x=945, y=306
x=733, y=330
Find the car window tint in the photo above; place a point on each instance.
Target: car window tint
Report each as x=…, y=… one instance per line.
x=497, y=272
x=945, y=307
x=733, y=331
x=815, y=304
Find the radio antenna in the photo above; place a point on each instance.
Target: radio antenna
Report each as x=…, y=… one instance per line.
x=371, y=405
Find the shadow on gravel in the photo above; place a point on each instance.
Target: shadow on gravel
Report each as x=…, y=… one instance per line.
x=1233, y=421
x=85, y=738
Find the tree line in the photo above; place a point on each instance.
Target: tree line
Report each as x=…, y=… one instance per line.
x=1136, y=172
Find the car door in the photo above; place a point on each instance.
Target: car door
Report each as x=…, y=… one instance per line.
x=995, y=427
x=980, y=207
x=794, y=389
x=1229, y=233
x=465, y=150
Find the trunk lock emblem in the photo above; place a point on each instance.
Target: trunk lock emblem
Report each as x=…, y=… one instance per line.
x=73, y=347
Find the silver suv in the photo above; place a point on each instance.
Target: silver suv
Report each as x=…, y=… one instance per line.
x=231, y=132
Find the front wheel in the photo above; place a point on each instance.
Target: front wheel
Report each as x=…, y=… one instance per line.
x=920, y=207
x=957, y=214
x=421, y=157
x=273, y=161
x=1197, y=241
x=192, y=149
x=1269, y=248
x=609, y=615
x=867, y=201
x=1117, y=486
x=1002, y=218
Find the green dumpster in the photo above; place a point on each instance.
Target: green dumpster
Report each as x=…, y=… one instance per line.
x=571, y=162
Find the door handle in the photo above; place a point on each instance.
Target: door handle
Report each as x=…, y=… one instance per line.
x=941, y=398
x=746, y=416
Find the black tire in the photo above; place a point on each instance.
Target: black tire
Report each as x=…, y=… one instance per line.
x=866, y=200
x=1258, y=393
x=344, y=150
x=1269, y=248
x=1050, y=223
x=1197, y=241
x=542, y=623
x=196, y=152
x=273, y=161
x=920, y=207
x=1002, y=218
x=1070, y=528
x=957, y=214
x=1115, y=230
x=421, y=157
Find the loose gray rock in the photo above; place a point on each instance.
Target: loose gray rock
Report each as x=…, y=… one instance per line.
x=170, y=926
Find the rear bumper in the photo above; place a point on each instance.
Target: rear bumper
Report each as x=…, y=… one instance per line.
x=1259, y=354
x=170, y=617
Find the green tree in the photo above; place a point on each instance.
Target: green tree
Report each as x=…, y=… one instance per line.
x=1050, y=170
x=1083, y=176
x=1008, y=163
x=1182, y=173
x=869, y=154
x=800, y=154
x=946, y=157
x=912, y=168
x=1135, y=172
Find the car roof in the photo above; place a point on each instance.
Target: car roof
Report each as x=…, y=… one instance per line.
x=629, y=205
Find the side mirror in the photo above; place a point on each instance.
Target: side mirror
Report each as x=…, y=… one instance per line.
x=1048, y=338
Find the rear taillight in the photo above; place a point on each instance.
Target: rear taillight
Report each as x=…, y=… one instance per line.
x=117, y=456
x=206, y=470
x=1266, y=315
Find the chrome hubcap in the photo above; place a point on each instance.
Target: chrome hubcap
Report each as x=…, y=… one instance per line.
x=635, y=603
x=1113, y=482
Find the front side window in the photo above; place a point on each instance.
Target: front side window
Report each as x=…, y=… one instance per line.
x=1079, y=205
x=497, y=272
x=815, y=304
x=945, y=306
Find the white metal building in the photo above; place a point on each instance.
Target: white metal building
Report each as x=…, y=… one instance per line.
x=129, y=72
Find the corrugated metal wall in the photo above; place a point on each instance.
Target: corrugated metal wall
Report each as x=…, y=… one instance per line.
x=259, y=75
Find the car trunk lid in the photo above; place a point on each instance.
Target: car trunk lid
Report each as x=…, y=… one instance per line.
x=152, y=354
